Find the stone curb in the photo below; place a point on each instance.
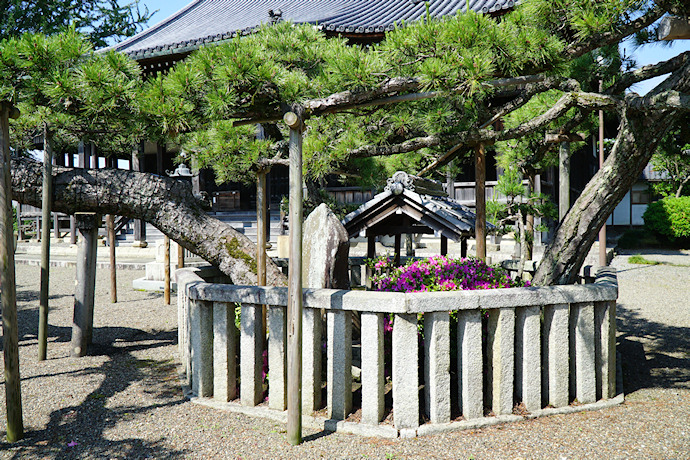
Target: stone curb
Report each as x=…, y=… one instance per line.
x=390, y=432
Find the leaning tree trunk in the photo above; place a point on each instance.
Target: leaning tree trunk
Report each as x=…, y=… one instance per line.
x=166, y=203
x=637, y=140
x=645, y=120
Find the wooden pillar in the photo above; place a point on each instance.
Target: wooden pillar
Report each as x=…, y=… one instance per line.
x=180, y=256
x=602, y=232
x=94, y=156
x=110, y=225
x=160, y=151
x=166, y=270
x=294, y=423
x=10, y=334
x=261, y=238
x=398, y=243
x=444, y=245
x=82, y=323
x=463, y=247
x=139, y=225
x=46, y=204
x=72, y=222
x=371, y=253
x=480, y=197
x=563, y=180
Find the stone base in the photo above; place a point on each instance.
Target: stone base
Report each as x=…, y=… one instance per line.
x=156, y=271
x=142, y=284
x=140, y=244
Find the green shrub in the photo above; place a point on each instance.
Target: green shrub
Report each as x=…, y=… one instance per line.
x=669, y=218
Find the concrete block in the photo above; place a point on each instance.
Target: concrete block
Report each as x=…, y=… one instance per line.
x=405, y=372
x=224, y=352
x=277, y=357
x=339, y=371
x=501, y=358
x=555, y=355
x=311, y=360
x=582, y=353
x=251, y=360
x=605, y=338
x=201, y=338
x=528, y=357
x=470, y=364
x=373, y=402
x=437, y=368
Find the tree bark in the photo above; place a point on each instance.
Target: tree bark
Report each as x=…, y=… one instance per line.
x=166, y=203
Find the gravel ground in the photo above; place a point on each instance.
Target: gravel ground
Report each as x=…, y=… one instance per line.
x=124, y=399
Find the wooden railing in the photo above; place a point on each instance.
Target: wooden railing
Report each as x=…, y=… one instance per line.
x=515, y=353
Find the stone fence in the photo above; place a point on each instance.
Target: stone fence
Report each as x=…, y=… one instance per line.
x=486, y=357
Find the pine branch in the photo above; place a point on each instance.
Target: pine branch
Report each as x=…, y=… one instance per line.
x=595, y=41
x=649, y=71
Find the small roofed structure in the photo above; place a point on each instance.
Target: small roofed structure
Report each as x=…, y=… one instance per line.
x=412, y=205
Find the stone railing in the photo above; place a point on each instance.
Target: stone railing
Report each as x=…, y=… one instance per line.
x=501, y=355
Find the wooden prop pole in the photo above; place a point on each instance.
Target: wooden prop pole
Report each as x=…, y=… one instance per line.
x=563, y=180
x=10, y=334
x=110, y=225
x=261, y=238
x=602, y=233
x=166, y=269
x=294, y=425
x=480, y=194
x=46, y=205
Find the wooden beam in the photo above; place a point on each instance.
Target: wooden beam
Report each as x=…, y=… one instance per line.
x=674, y=28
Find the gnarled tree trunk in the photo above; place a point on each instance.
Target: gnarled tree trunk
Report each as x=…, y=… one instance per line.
x=166, y=203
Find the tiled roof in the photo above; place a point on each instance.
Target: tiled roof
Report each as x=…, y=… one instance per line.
x=206, y=21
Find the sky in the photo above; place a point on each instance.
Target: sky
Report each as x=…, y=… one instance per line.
x=649, y=54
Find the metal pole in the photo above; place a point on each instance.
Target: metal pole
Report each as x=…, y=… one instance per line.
x=294, y=425
x=602, y=233
x=10, y=334
x=46, y=204
x=480, y=200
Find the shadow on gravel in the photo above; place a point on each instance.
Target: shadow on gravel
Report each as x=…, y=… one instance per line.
x=657, y=367
x=79, y=431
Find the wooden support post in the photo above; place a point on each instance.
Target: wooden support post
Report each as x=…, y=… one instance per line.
x=480, y=197
x=82, y=323
x=398, y=243
x=166, y=270
x=94, y=156
x=110, y=225
x=160, y=151
x=261, y=239
x=10, y=334
x=371, y=253
x=180, y=256
x=294, y=428
x=46, y=204
x=444, y=245
x=139, y=225
x=463, y=247
x=603, y=261
x=563, y=180
x=72, y=222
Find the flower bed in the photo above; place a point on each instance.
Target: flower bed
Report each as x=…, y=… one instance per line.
x=440, y=273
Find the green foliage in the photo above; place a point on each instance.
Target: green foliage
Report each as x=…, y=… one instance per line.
x=99, y=20
x=638, y=259
x=672, y=160
x=669, y=218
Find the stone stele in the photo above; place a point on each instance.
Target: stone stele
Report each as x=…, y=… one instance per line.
x=325, y=250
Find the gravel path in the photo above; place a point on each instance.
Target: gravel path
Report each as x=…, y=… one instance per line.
x=124, y=399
